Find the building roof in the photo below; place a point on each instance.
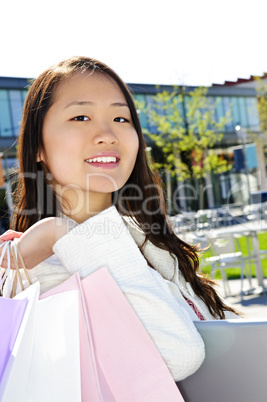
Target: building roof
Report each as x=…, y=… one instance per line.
x=240, y=81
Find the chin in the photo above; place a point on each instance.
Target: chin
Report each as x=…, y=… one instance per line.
x=105, y=185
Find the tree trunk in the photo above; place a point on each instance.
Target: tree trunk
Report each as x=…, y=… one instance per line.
x=209, y=189
x=168, y=191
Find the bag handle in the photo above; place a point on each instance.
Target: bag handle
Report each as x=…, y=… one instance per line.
x=15, y=248
x=16, y=254
x=5, y=276
x=12, y=247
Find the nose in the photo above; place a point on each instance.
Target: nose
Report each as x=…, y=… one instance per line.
x=104, y=134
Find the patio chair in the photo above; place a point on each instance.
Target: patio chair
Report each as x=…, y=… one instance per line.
x=227, y=255
x=254, y=212
x=206, y=219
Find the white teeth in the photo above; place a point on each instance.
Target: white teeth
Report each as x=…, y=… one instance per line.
x=103, y=159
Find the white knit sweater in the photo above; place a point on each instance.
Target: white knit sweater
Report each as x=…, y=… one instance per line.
x=156, y=295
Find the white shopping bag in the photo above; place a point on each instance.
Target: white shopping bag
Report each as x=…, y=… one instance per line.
x=55, y=364
x=13, y=386
x=45, y=361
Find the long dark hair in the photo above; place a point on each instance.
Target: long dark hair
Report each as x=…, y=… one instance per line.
x=36, y=200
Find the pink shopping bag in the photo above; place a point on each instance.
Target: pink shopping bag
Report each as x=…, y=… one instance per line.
x=121, y=362
x=130, y=361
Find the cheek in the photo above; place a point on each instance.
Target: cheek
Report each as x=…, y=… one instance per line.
x=134, y=146
x=60, y=148
x=57, y=164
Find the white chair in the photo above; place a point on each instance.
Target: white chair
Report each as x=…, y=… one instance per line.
x=254, y=212
x=227, y=254
x=206, y=219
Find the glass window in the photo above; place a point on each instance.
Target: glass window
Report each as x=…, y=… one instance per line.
x=212, y=110
x=142, y=116
x=6, y=129
x=243, y=112
x=211, y=101
x=16, y=109
x=228, y=109
x=235, y=111
x=24, y=94
x=219, y=108
x=252, y=111
x=151, y=104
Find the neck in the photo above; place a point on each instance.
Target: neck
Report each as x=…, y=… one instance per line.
x=80, y=206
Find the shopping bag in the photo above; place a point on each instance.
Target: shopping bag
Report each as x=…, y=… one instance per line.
x=55, y=363
x=91, y=388
x=44, y=364
x=15, y=375
x=11, y=315
x=121, y=361
x=129, y=360
x=13, y=386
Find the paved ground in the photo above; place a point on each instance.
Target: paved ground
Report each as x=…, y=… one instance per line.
x=253, y=305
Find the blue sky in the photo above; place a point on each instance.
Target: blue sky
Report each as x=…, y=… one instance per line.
x=192, y=42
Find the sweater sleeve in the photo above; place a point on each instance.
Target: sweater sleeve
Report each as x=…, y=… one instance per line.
x=104, y=240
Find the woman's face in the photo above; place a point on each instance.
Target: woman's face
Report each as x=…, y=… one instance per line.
x=90, y=143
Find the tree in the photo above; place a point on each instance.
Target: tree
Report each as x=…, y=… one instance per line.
x=261, y=89
x=185, y=129
x=261, y=138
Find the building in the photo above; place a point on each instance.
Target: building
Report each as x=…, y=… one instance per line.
x=239, y=99
x=235, y=186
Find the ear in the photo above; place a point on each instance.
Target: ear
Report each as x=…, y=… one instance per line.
x=39, y=157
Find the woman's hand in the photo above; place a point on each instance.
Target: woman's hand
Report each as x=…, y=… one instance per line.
x=10, y=235
x=7, y=236
x=37, y=242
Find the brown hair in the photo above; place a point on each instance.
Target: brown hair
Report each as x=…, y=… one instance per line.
x=35, y=199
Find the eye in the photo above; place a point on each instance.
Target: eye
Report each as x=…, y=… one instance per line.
x=81, y=118
x=121, y=120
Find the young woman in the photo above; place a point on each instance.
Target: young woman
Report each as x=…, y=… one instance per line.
x=86, y=198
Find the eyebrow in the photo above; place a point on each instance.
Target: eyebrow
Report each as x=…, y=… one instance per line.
x=81, y=103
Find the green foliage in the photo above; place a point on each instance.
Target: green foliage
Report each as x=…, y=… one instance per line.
x=186, y=123
x=261, y=89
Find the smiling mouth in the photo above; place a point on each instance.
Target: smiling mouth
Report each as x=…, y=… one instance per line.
x=103, y=159
x=103, y=162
